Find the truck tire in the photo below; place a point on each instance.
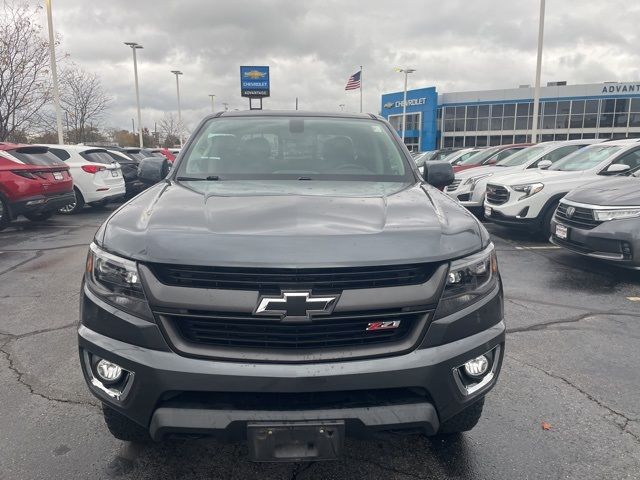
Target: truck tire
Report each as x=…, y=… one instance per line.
x=463, y=421
x=124, y=429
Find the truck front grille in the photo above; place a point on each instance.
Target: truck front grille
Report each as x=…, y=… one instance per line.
x=497, y=195
x=279, y=279
x=231, y=334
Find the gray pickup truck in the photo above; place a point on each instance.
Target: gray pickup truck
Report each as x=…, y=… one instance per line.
x=291, y=281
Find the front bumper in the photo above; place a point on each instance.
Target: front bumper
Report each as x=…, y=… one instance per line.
x=604, y=242
x=171, y=393
x=42, y=203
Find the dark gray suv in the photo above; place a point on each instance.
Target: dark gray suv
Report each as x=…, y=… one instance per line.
x=293, y=280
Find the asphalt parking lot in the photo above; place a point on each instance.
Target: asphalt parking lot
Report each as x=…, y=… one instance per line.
x=571, y=364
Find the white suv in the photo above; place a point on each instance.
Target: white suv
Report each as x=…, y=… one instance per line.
x=469, y=186
x=529, y=199
x=97, y=178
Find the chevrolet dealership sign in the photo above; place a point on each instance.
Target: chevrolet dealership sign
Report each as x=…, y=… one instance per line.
x=410, y=103
x=621, y=88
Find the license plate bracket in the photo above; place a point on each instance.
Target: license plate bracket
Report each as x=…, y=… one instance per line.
x=295, y=441
x=562, y=232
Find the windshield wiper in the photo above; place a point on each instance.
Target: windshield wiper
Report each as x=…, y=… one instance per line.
x=211, y=178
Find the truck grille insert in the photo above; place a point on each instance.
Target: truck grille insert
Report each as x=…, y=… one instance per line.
x=337, y=336
x=278, y=279
x=497, y=195
x=580, y=217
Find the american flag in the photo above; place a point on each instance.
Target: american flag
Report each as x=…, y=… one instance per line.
x=354, y=81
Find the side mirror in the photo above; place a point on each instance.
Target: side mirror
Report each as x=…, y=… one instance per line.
x=152, y=170
x=616, y=168
x=438, y=174
x=544, y=164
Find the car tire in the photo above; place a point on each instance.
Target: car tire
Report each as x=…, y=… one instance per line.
x=463, y=421
x=124, y=429
x=73, y=207
x=546, y=220
x=5, y=218
x=39, y=217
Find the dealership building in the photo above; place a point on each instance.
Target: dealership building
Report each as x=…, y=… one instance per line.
x=497, y=117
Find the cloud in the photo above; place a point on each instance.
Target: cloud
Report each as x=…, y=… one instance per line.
x=313, y=46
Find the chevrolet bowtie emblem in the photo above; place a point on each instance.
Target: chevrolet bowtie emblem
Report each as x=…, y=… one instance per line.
x=295, y=306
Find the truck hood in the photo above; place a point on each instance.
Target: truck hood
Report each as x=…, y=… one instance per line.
x=291, y=224
x=619, y=191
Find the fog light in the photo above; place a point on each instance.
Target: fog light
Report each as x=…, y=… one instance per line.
x=108, y=372
x=477, y=367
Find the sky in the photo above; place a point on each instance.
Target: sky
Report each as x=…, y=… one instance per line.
x=313, y=46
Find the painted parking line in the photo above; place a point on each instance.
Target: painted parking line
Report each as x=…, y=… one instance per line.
x=634, y=299
x=538, y=247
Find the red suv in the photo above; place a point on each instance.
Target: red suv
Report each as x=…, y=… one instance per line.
x=33, y=183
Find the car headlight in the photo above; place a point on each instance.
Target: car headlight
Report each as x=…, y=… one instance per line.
x=615, y=214
x=468, y=280
x=528, y=189
x=116, y=280
x=473, y=181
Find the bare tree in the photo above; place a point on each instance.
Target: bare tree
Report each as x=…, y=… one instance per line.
x=83, y=102
x=24, y=70
x=169, y=129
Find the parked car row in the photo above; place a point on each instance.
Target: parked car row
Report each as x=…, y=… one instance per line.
x=37, y=181
x=561, y=190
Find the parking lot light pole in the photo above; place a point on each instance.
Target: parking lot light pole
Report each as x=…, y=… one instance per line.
x=406, y=72
x=177, y=73
x=135, y=46
x=536, y=93
x=54, y=74
x=213, y=107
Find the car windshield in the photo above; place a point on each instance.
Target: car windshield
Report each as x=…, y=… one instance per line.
x=585, y=158
x=479, y=157
x=523, y=156
x=295, y=148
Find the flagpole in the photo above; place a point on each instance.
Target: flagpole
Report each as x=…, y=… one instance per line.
x=360, y=88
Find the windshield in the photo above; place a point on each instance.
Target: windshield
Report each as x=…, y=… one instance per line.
x=479, y=157
x=295, y=148
x=585, y=158
x=523, y=156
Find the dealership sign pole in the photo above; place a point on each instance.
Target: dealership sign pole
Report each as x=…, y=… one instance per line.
x=254, y=83
x=406, y=72
x=536, y=94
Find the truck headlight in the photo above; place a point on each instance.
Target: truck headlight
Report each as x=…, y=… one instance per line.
x=528, y=189
x=116, y=280
x=617, y=213
x=468, y=280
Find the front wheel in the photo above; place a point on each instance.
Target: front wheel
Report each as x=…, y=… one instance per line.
x=546, y=220
x=463, y=421
x=122, y=428
x=39, y=217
